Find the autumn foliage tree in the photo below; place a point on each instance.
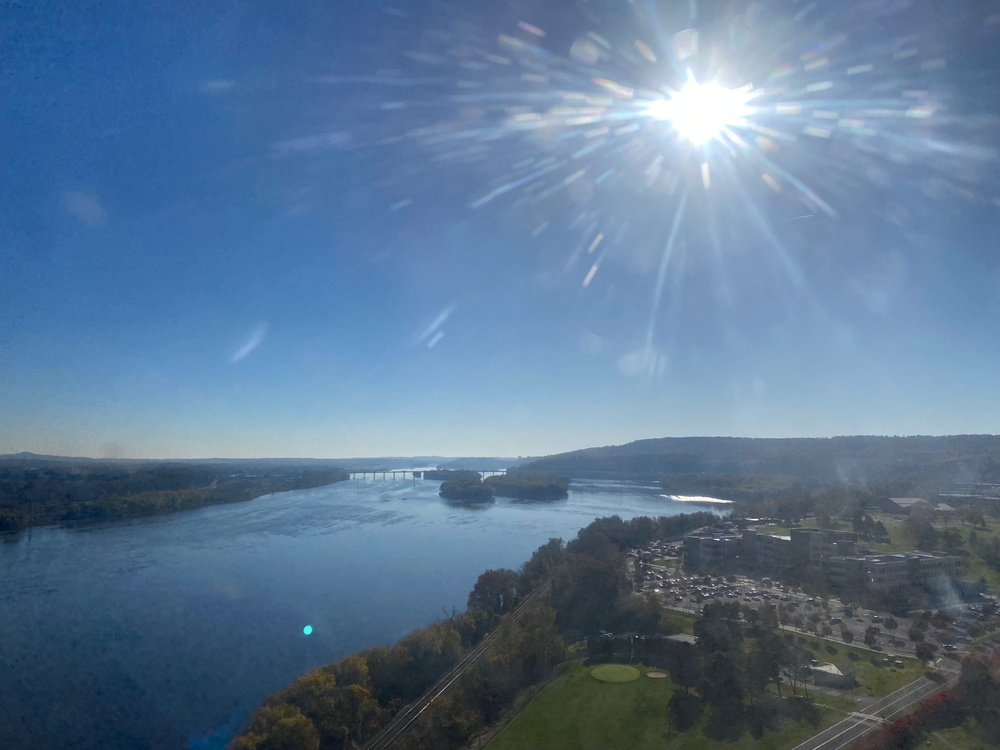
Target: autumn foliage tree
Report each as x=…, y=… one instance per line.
x=496, y=591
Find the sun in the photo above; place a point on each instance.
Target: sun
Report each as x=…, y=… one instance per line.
x=700, y=112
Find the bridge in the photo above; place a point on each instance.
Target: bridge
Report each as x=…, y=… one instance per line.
x=410, y=474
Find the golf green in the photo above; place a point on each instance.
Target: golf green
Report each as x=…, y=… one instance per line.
x=614, y=673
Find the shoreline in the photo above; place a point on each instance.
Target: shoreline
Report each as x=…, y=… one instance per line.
x=36, y=523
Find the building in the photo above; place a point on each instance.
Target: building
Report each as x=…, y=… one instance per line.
x=719, y=551
x=889, y=571
x=825, y=554
x=767, y=554
x=832, y=676
x=903, y=505
x=812, y=547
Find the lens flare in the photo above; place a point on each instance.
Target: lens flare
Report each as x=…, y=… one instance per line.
x=701, y=112
x=307, y=630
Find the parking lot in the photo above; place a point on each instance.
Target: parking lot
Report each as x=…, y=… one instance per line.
x=825, y=617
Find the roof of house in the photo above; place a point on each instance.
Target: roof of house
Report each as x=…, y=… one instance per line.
x=682, y=638
x=907, y=502
x=830, y=669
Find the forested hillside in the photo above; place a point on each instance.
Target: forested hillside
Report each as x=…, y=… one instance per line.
x=792, y=463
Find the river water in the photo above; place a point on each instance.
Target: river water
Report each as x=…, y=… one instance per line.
x=166, y=632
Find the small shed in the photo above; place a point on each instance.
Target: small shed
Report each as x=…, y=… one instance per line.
x=832, y=676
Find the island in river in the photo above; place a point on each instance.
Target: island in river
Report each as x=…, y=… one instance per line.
x=524, y=487
x=467, y=490
x=529, y=486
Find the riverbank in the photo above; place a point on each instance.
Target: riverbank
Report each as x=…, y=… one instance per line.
x=33, y=497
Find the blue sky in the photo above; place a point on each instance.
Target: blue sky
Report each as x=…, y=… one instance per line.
x=346, y=229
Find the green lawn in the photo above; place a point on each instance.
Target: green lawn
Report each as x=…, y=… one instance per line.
x=880, y=680
x=615, y=673
x=974, y=567
x=965, y=737
x=899, y=535
x=577, y=712
x=683, y=621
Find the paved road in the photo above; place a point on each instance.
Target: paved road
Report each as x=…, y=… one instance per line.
x=890, y=707
x=407, y=716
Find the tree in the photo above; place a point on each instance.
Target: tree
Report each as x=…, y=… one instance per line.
x=922, y=531
x=797, y=667
x=640, y=613
x=721, y=684
x=684, y=667
x=768, y=616
x=766, y=656
x=719, y=630
x=952, y=541
x=869, y=526
x=891, y=624
x=871, y=635
x=917, y=633
x=543, y=561
x=317, y=696
x=846, y=635
x=925, y=651
x=496, y=591
x=279, y=727
x=586, y=593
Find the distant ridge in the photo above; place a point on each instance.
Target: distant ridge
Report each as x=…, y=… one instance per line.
x=859, y=459
x=482, y=463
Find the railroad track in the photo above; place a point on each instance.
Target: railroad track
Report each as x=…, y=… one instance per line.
x=411, y=713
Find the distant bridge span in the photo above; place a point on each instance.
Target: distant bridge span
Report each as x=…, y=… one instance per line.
x=410, y=474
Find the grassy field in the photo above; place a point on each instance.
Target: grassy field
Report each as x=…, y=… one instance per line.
x=683, y=621
x=615, y=673
x=959, y=738
x=872, y=679
x=974, y=567
x=577, y=712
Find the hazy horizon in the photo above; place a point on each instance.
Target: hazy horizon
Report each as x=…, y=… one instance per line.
x=517, y=457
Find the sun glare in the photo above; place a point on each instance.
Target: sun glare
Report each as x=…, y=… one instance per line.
x=700, y=112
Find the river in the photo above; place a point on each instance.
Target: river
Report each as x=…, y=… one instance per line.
x=164, y=633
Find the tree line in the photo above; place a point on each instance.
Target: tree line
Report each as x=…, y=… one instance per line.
x=529, y=486
x=34, y=493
